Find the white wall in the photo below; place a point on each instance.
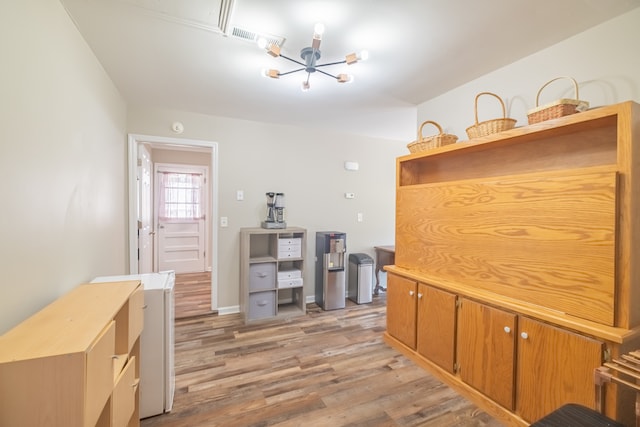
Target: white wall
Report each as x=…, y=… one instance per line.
x=307, y=166
x=62, y=168
x=604, y=61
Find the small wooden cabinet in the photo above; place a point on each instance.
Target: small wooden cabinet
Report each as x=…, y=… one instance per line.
x=486, y=359
x=437, y=326
x=401, y=309
x=272, y=265
x=519, y=248
x=75, y=363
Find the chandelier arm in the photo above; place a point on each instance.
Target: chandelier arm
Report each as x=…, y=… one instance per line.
x=327, y=74
x=331, y=63
x=291, y=72
x=293, y=60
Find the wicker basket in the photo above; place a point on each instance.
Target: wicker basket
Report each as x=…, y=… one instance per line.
x=490, y=126
x=422, y=143
x=556, y=109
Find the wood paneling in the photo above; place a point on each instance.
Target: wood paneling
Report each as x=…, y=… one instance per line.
x=535, y=237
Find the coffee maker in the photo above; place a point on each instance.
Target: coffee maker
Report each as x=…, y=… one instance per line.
x=275, y=211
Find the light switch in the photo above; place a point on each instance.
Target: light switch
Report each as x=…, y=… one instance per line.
x=224, y=221
x=239, y=195
x=359, y=216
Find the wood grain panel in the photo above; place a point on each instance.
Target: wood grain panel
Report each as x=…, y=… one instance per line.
x=535, y=237
x=553, y=364
x=436, y=334
x=487, y=350
x=401, y=309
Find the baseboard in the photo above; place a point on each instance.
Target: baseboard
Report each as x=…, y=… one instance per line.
x=310, y=299
x=228, y=310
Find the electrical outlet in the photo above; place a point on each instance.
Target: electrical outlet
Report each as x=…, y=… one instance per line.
x=359, y=216
x=349, y=195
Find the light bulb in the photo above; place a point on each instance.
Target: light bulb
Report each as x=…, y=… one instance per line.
x=274, y=74
x=344, y=78
x=319, y=28
x=364, y=55
x=305, y=86
x=262, y=42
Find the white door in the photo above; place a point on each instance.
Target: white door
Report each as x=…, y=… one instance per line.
x=181, y=204
x=145, y=223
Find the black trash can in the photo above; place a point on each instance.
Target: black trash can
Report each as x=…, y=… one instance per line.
x=360, y=278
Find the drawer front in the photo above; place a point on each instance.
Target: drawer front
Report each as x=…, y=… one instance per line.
x=289, y=274
x=262, y=276
x=289, y=251
x=290, y=283
x=297, y=241
x=262, y=305
x=136, y=316
x=99, y=371
x=123, y=400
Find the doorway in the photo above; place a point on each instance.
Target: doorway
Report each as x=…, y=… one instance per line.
x=180, y=214
x=144, y=232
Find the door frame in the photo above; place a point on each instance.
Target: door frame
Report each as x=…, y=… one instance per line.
x=133, y=141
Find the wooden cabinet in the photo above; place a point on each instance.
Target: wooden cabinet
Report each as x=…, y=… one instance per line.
x=533, y=230
x=554, y=366
x=272, y=265
x=436, y=320
x=486, y=338
x=75, y=362
x=401, y=309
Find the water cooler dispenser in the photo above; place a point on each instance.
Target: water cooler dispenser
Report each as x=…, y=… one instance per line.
x=330, y=269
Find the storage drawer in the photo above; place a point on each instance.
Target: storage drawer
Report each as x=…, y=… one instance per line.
x=262, y=305
x=290, y=283
x=289, y=251
x=262, y=276
x=99, y=373
x=123, y=400
x=292, y=273
x=290, y=248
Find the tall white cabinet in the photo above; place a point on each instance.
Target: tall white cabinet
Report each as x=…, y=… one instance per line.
x=272, y=264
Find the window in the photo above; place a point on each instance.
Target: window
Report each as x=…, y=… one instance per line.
x=180, y=196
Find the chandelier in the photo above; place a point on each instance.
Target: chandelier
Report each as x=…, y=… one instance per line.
x=310, y=55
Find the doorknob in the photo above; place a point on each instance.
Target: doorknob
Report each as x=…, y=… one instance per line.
x=162, y=226
x=151, y=233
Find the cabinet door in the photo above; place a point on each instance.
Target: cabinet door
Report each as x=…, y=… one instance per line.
x=486, y=353
x=401, y=309
x=554, y=367
x=436, y=325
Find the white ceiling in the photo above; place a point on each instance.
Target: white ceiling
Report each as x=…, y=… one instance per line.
x=176, y=57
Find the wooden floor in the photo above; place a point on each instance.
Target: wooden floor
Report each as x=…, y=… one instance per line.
x=325, y=369
x=192, y=294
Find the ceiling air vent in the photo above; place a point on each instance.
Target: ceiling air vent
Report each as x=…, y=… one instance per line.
x=251, y=36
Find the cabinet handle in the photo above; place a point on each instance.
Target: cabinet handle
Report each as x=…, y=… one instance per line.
x=524, y=335
x=411, y=293
x=507, y=329
x=419, y=295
